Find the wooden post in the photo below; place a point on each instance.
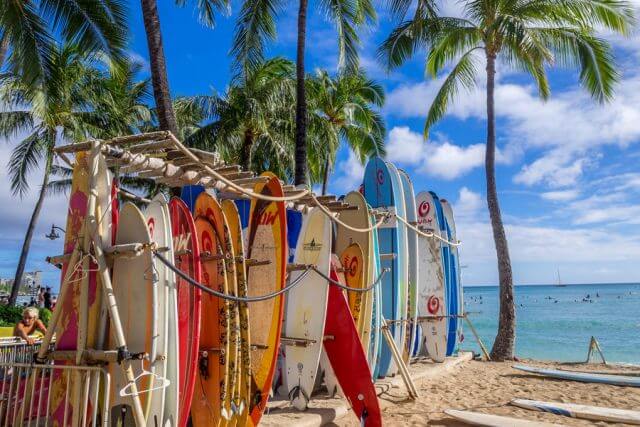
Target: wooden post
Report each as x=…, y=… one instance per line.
x=402, y=367
x=475, y=334
x=112, y=305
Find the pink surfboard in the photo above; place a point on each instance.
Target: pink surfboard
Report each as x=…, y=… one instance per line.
x=187, y=259
x=347, y=357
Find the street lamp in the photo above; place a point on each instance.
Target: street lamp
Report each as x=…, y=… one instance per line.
x=53, y=235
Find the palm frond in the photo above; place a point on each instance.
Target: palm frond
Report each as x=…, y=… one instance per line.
x=463, y=74
x=207, y=10
x=14, y=122
x=24, y=159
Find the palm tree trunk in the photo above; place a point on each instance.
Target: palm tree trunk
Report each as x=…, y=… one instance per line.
x=505, y=339
x=325, y=176
x=4, y=48
x=159, y=80
x=301, y=101
x=247, y=146
x=30, y=229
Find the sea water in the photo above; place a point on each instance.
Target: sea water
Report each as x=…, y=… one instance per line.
x=557, y=323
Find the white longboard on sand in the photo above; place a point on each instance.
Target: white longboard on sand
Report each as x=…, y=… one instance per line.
x=306, y=308
x=488, y=420
x=586, y=412
x=584, y=377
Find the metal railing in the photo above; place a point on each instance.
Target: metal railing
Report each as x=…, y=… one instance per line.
x=46, y=394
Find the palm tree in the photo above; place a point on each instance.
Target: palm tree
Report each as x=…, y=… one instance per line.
x=62, y=106
x=251, y=124
x=528, y=35
x=256, y=24
x=347, y=103
x=26, y=31
x=161, y=93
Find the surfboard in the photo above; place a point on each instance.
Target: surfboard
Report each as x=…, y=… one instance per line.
x=211, y=388
x=171, y=410
x=359, y=218
x=618, y=380
x=186, y=253
x=134, y=291
x=488, y=420
x=267, y=241
x=455, y=324
x=403, y=258
x=67, y=329
x=375, y=347
x=306, y=308
x=347, y=357
x=244, y=384
x=413, y=332
x=587, y=412
x=328, y=376
x=379, y=193
x=351, y=259
x=451, y=300
x=431, y=288
x=158, y=226
x=189, y=194
x=227, y=327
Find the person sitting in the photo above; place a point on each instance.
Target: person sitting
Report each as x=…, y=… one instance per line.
x=29, y=324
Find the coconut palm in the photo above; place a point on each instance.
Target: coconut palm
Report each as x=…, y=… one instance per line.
x=161, y=93
x=256, y=24
x=528, y=35
x=26, y=29
x=251, y=124
x=61, y=107
x=347, y=103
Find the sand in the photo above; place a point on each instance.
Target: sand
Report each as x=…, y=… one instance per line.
x=489, y=386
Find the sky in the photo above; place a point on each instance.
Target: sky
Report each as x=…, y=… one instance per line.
x=567, y=173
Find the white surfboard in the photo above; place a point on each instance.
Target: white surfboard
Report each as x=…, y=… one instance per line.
x=431, y=288
x=133, y=289
x=488, y=420
x=619, y=380
x=586, y=412
x=171, y=410
x=159, y=229
x=307, y=308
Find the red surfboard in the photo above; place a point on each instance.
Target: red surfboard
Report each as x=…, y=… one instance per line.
x=187, y=259
x=347, y=358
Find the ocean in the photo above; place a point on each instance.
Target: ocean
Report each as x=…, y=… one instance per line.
x=557, y=323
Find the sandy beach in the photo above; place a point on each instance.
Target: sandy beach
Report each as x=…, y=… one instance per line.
x=489, y=386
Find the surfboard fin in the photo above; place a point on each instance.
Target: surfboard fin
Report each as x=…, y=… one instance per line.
x=298, y=398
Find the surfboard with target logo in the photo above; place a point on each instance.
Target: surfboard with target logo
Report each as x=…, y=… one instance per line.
x=381, y=194
x=431, y=288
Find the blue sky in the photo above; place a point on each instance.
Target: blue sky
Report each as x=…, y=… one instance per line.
x=567, y=169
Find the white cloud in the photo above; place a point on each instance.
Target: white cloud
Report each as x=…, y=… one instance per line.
x=439, y=158
x=468, y=205
x=561, y=195
x=349, y=174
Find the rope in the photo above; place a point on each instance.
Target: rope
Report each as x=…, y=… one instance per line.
x=348, y=288
x=232, y=184
x=287, y=288
x=328, y=213
x=234, y=298
x=428, y=234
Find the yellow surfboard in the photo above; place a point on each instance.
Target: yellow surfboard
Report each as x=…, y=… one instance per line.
x=244, y=384
x=352, y=263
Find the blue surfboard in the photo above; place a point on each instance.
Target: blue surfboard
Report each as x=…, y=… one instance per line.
x=379, y=192
x=455, y=272
x=376, y=311
x=294, y=225
x=189, y=194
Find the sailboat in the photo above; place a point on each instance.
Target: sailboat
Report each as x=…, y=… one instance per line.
x=560, y=284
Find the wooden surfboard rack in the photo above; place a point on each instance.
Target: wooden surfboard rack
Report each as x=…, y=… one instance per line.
x=296, y=342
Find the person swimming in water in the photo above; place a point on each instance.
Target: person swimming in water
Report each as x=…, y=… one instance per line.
x=29, y=324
